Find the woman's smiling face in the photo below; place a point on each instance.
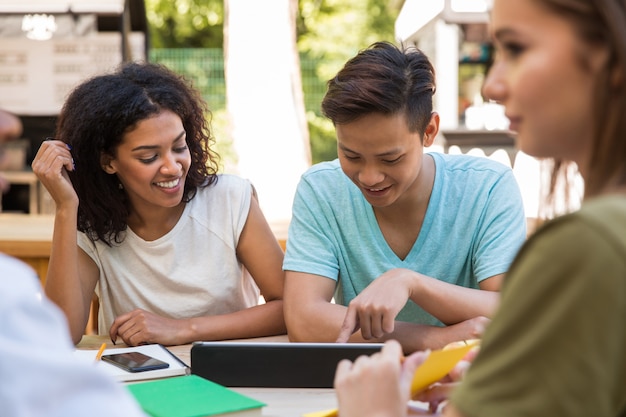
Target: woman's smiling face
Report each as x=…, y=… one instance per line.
x=544, y=75
x=152, y=161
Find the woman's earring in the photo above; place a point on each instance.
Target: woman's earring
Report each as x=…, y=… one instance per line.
x=120, y=186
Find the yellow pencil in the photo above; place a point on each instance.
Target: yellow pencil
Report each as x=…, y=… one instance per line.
x=100, y=351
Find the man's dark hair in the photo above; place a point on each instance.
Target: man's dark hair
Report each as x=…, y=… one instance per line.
x=383, y=79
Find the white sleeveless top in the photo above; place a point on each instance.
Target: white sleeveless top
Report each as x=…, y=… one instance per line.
x=192, y=271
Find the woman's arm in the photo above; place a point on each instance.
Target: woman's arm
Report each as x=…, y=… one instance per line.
x=261, y=255
x=259, y=252
x=72, y=275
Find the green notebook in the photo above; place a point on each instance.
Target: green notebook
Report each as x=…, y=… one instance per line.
x=192, y=396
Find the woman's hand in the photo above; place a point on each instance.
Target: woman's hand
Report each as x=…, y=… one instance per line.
x=438, y=393
x=142, y=327
x=51, y=164
x=377, y=385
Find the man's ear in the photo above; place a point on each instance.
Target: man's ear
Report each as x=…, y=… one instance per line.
x=106, y=162
x=431, y=130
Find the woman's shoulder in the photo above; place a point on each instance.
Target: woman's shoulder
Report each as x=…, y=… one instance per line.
x=586, y=248
x=226, y=199
x=229, y=184
x=601, y=220
x=606, y=215
x=611, y=205
x=229, y=191
x=232, y=180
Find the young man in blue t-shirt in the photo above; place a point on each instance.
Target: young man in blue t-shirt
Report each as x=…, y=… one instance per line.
x=412, y=245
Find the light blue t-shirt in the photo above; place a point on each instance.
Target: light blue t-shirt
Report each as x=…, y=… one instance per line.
x=472, y=230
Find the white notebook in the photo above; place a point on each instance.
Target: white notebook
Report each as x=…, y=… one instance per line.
x=176, y=366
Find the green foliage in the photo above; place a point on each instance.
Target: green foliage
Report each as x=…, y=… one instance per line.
x=335, y=30
x=186, y=23
x=223, y=141
x=203, y=66
x=323, y=139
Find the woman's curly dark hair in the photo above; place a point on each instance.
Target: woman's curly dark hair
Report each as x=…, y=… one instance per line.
x=101, y=110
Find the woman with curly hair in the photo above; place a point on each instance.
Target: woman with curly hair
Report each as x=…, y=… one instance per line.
x=175, y=251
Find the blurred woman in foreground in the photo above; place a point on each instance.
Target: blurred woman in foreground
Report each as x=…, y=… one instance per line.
x=556, y=346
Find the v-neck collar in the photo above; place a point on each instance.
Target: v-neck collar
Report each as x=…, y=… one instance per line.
x=433, y=202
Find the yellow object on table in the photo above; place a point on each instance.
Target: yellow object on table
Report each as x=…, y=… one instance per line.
x=437, y=365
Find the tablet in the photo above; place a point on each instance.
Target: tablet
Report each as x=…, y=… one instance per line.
x=274, y=364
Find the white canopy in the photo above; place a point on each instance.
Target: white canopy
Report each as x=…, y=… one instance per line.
x=416, y=14
x=62, y=6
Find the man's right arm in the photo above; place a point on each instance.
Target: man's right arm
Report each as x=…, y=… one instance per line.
x=311, y=316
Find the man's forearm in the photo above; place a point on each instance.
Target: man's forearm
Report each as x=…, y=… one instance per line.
x=451, y=303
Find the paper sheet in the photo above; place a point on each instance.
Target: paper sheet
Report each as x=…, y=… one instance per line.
x=156, y=351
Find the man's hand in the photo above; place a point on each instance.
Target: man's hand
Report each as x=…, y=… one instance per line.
x=375, y=309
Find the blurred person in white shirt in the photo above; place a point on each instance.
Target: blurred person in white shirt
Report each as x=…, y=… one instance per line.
x=40, y=375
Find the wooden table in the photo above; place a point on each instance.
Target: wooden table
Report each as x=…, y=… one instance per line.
x=29, y=238
x=281, y=402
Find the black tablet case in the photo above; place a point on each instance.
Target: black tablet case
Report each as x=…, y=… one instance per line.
x=274, y=364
